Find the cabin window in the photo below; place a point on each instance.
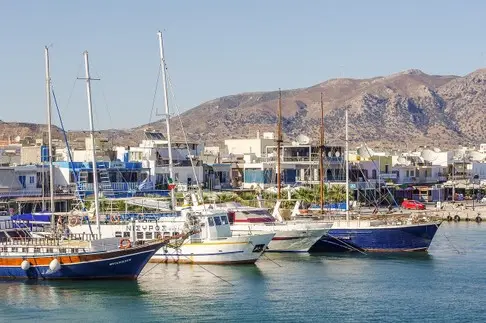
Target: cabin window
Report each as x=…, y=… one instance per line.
x=62, y=250
x=148, y=235
x=158, y=235
x=31, y=179
x=25, y=250
x=166, y=234
x=118, y=234
x=75, y=250
x=50, y=250
x=217, y=219
x=126, y=234
x=20, y=249
x=139, y=235
x=175, y=233
x=224, y=219
x=37, y=250
x=211, y=222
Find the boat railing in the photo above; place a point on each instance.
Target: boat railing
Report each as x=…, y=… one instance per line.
x=28, y=241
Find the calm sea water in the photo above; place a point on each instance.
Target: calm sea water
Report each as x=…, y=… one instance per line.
x=447, y=284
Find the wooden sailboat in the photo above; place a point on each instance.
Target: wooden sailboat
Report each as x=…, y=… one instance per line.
x=25, y=257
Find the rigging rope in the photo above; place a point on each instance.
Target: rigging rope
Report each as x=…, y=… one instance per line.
x=171, y=86
x=68, y=148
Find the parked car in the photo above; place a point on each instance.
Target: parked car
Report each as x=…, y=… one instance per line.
x=413, y=205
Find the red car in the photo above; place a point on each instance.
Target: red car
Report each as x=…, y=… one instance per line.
x=413, y=205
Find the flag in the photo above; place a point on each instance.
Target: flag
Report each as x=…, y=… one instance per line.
x=170, y=184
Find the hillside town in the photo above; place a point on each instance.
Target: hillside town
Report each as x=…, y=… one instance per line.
x=425, y=174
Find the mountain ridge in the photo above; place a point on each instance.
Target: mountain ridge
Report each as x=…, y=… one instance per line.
x=407, y=108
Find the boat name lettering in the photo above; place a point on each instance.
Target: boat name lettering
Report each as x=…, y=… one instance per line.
x=120, y=262
x=143, y=228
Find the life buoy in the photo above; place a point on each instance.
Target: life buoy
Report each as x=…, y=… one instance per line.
x=468, y=219
x=115, y=218
x=74, y=220
x=141, y=217
x=449, y=218
x=457, y=218
x=479, y=219
x=125, y=243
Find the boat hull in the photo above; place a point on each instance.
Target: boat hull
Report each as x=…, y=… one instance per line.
x=235, y=250
x=118, y=264
x=400, y=238
x=291, y=239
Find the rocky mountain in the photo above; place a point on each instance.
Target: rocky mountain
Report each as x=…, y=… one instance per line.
x=405, y=109
x=409, y=108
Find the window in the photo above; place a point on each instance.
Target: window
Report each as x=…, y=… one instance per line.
x=62, y=250
x=166, y=234
x=373, y=174
x=118, y=234
x=217, y=219
x=37, y=250
x=417, y=173
x=224, y=219
x=211, y=222
x=126, y=234
x=175, y=233
x=148, y=235
x=32, y=179
x=139, y=235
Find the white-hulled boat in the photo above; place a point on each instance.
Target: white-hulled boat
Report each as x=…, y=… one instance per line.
x=212, y=241
x=289, y=236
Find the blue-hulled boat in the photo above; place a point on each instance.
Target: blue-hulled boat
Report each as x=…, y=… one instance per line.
x=376, y=237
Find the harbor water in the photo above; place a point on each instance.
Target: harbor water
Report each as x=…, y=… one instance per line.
x=447, y=284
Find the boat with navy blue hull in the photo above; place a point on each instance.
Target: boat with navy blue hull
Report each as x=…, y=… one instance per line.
x=62, y=263
x=377, y=236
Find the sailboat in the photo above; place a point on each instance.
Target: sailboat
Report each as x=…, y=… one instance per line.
x=211, y=240
x=24, y=257
x=373, y=235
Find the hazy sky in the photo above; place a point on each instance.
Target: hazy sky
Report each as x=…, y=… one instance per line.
x=217, y=48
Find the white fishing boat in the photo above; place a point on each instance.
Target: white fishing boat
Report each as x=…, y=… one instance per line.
x=210, y=242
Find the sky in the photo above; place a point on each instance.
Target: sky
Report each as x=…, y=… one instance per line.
x=215, y=48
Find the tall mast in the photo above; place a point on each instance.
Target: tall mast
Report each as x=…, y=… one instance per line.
x=93, y=147
x=347, y=168
x=49, y=134
x=279, y=141
x=321, y=156
x=167, y=117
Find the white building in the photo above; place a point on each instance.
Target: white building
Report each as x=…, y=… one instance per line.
x=255, y=146
x=154, y=155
